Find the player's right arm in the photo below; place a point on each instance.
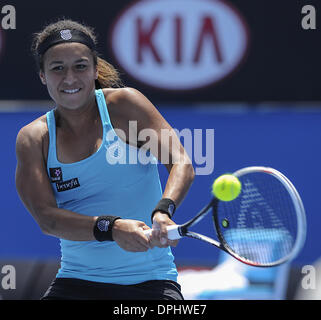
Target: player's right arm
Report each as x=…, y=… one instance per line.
x=35, y=191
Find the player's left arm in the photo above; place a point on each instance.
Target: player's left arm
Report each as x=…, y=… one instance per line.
x=163, y=143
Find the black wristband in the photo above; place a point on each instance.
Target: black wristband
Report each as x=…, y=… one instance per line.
x=165, y=206
x=103, y=228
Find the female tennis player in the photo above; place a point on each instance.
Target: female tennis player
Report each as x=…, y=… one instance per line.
x=75, y=178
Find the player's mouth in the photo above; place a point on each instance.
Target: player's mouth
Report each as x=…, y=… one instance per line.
x=71, y=91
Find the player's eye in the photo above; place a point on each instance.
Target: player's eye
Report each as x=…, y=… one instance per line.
x=57, y=68
x=81, y=66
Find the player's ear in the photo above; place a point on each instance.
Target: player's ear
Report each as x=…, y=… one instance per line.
x=42, y=77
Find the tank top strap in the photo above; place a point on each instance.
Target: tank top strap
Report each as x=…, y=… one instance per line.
x=102, y=106
x=51, y=123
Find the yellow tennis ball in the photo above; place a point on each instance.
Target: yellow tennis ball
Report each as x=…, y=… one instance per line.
x=226, y=187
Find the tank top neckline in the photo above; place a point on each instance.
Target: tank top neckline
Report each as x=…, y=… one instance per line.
x=104, y=118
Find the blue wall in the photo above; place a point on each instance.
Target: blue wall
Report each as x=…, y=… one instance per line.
x=284, y=139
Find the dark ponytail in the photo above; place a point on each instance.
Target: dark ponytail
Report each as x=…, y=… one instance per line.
x=108, y=76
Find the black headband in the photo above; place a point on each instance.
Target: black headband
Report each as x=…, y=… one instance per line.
x=64, y=36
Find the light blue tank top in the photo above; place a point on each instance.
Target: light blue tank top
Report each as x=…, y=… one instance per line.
x=108, y=183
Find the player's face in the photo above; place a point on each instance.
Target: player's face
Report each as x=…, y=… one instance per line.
x=69, y=74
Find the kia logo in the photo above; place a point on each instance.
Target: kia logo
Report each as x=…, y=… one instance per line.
x=179, y=44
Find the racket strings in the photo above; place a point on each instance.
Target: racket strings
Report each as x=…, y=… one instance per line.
x=262, y=224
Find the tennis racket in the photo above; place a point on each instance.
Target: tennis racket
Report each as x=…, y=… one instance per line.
x=264, y=226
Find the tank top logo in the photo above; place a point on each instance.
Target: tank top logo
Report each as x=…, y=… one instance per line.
x=55, y=174
x=115, y=151
x=67, y=185
x=56, y=177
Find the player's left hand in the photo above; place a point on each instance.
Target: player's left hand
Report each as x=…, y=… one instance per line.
x=158, y=237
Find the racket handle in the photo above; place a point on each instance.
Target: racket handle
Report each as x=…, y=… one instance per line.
x=172, y=232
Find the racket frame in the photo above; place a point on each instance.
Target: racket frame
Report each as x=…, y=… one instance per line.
x=299, y=209
x=222, y=244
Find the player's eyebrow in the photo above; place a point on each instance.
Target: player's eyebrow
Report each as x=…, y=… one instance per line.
x=61, y=62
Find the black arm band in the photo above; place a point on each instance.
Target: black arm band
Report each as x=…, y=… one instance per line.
x=165, y=206
x=103, y=228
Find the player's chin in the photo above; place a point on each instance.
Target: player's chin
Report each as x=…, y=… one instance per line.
x=74, y=100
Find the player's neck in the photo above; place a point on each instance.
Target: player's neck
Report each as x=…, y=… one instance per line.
x=78, y=120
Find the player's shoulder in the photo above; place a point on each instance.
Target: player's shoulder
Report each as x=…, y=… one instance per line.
x=127, y=103
x=33, y=133
x=121, y=95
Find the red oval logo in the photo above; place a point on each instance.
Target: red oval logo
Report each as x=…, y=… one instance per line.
x=179, y=44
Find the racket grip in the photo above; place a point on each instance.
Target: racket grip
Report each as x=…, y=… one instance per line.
x=172, y=232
